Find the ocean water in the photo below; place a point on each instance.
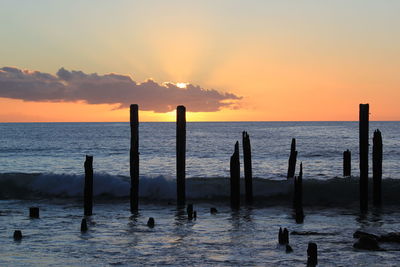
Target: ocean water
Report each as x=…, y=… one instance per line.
x=41, y=164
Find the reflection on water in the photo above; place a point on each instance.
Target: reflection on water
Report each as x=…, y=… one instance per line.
x=244, y=237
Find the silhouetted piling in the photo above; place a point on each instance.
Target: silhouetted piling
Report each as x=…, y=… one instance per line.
x=189, y=211
x=363, y=131
x=292, y=159
x=34, y=212
x=17, y=235
x=213, y=211
x=377, y=167
x=248, y=176
x=235, y=178
x=285, y=236
x=151, y=222
x=88, y=188
x=298, y=196
x=312, y=254
x=84, y=226
x=134, y=158
x=180, y=154
x=346, y=163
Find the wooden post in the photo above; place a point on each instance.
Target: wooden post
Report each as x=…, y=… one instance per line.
x=298, y=196
x=377, y=167
x=292, y=159
x=180, y=154
x=134, y=158
x=34, y=212
x=88, y=189
x=346, y=163
x=84, y=226
x=248, y=176
x=235, y=178
x=312, y=254
x=364, y=129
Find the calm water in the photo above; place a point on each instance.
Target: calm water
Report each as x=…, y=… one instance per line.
x=41, y=164
x=60, y=148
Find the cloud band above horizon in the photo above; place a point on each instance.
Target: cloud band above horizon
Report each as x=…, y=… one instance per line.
x=73, y=86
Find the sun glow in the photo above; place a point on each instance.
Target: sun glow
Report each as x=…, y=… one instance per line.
x=181, y=85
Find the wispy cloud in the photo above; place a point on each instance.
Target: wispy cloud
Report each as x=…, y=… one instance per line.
x=71, y=86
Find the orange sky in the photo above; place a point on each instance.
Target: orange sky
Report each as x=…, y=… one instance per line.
x=289, y=61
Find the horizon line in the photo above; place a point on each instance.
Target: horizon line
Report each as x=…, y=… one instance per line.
x=194, y=121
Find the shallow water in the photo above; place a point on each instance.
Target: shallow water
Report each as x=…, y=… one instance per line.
x=244, y=238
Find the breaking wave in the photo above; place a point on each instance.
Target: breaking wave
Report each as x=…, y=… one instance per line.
x=330, y=192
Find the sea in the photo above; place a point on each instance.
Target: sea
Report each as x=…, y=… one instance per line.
x=41, y=165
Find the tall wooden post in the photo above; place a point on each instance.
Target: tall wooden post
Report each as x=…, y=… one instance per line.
x=377, y=167
x=292, y=159
x=347, y=163
x=134, y=158
x=248, y=176
x=364, y=129
x=298, y=196
x=235, y=178
x=88, y=187
x=312, y=254
x=180, y=154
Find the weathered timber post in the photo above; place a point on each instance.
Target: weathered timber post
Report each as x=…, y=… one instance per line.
x=17, y=235
x=88, y=188
x=235, y=178
x=180, y=154
x=292, y=159
x=363, y=131
x=377, y=167
x=346, y=163
x=84, y=226
x=189, y=211
x=298, y=196
x=34, y=212
x=312, y=254
x=248, y=176
x=134, y=158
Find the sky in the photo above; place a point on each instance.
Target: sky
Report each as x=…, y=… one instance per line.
x=225, y=60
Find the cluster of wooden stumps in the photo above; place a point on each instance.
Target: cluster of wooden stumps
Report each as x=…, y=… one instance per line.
x=235, y=174
x=283, y=237
x=235, y=167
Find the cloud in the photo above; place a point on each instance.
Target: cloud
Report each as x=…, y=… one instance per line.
x=71, y=86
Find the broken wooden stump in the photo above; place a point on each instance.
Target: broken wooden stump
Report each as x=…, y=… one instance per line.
x=364, y=135
x=151, y=222
x=180, y=154
x=88, y=187
x=346, y=163
x=248, y=176
x=292, y=159
x=283, y=236
x=312, y=254
x=17, y=235
x=377, y=152
x=189, y=211
x=34, y=212
x=213, y=211
x=84, y=226
x=288, y=249
x=134, y=158
x=235, y=178
x=298, y=196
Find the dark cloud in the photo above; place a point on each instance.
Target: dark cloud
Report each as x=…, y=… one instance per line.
x=70, y=86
